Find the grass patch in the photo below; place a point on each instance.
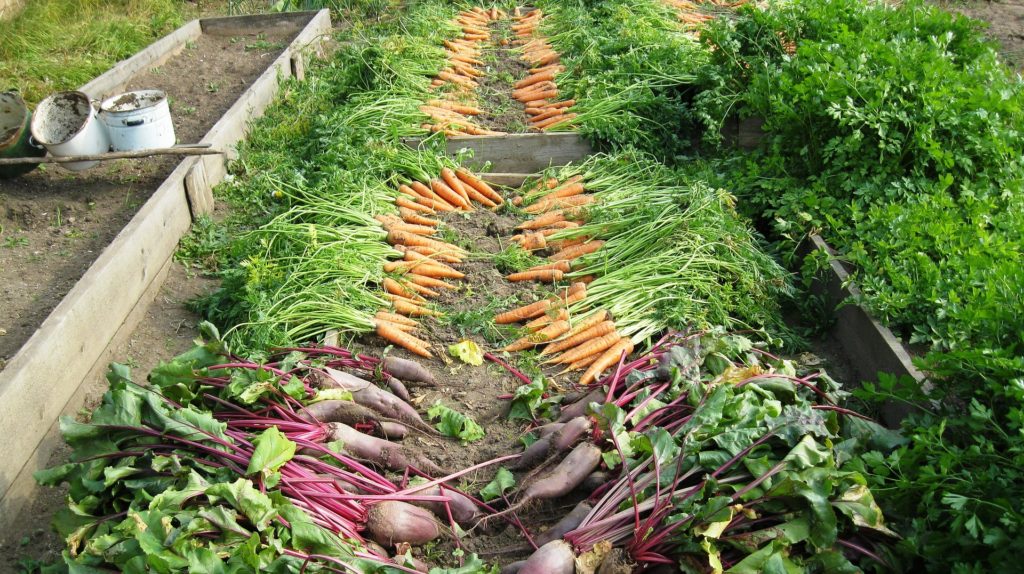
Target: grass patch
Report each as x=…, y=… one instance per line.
x=55, y=45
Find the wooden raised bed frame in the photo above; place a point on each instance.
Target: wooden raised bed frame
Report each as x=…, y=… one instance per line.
x=45, y=378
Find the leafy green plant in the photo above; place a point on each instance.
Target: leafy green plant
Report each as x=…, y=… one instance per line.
x=455, y=424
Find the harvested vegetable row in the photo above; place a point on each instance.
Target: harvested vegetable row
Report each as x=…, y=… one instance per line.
x=538, y=91
x=452, y=111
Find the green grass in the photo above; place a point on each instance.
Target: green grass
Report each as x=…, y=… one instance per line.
x=55, y=45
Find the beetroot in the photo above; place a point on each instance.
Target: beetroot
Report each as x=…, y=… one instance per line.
x=394, y=521
x=408, y=371
x=464, y=510
x=579, y=408
x=567, y=524
x=555, y=557
x=398, y=389
x=379, y=451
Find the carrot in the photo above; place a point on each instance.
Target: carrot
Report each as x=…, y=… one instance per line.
x=411, y=255
x=609, y=358
x=422, y=268
x=534, y=79
x=395, y=288
x=535, y=103
x=561, y=104
x=552, y=122
x=543, y=95
x=580, y=364
x=404, y=203
x=560, y=244
x=455, y=107
x=479, y=185
x=570, y=253
x=594, y=334
x=542, y=275
x=405, y=190
x=544, y=86
x=562, y=266
x=449, y=194
x=410, y=216
x=405, y=307
x=525, y=312
x=397, y=237
x=546, y=319
x=574, y=293
x=565, y=190
x=560, y=203
x=431, y=253
x=403, y=328
x=547, y=113
x=543, y=220
x=593, y=346
x=396, y=319
x=533, y=241
x=544, y=335
x=424, y=291
x=392, y=334
x=409, y=228
x=453, y=182
x=549, y=231
x=595, y=318
x=425, y=281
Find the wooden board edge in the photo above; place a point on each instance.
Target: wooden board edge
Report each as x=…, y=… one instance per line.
x=227, y=25
x=19, y=494
x=62, y=350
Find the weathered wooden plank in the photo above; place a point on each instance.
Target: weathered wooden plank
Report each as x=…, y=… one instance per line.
x=506, y=179
x=23, y=488
x=870, y=346
x=114, y=80
x=47, y=371
x=518, y=153
x=278, y=23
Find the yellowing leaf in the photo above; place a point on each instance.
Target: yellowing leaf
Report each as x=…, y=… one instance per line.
x=468, y=352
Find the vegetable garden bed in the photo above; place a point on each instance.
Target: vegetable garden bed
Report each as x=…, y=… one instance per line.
x=231, y=67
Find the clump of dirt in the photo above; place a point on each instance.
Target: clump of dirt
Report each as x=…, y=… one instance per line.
x=504, y=67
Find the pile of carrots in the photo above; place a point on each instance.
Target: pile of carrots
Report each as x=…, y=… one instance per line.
x=538, y=91
x=593, y=343
x=427, y=262
x=453, y=112
x=559, y=208
x=695, y=13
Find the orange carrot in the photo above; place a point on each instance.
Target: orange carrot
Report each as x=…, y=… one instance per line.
x=396, y=288
x=572, y=355
x=404, y=306
x=425, y=191
x=534, y=78
x=392, y=334
x=479, y=185
x=548, y=113
x=410, y=216
x=454, y=183
x=574, y=293
x=423, y=291
x=552, y=122
x=533, y=241
x=565, y=190
x=449, y=194
x=609, y=358
x=396, y=319
x=523, y=313
x=542, y=275
x=400, y=326
x=397, y=237
x=562, y=266
x=570, y=253
x=546, y=319
x=422, y=268
x=543, y=220
x=593, y=346
x=591, y=320
x=580, y=364
x=409, y=228
x=404, y=203
x=560, y=203
x=539, y=337
x=412, y=255
x=425, y=281
x=431, y=253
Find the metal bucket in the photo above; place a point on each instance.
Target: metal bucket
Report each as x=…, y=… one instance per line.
x=67, y=125
x=15, y=135
x=138, y=120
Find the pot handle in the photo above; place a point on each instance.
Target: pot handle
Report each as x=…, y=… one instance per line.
x=133, y=123
x=33, y=143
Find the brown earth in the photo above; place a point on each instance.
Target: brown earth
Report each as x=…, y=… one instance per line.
x=1005, y=19
x=503, y=67
x=54, y=223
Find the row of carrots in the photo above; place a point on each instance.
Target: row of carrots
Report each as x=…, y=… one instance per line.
x=594, y=343
x=453, y=111
x=538, y=91
x=427, y=262
x=559, y=208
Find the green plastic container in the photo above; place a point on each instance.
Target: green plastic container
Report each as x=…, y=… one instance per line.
x=15, y=134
